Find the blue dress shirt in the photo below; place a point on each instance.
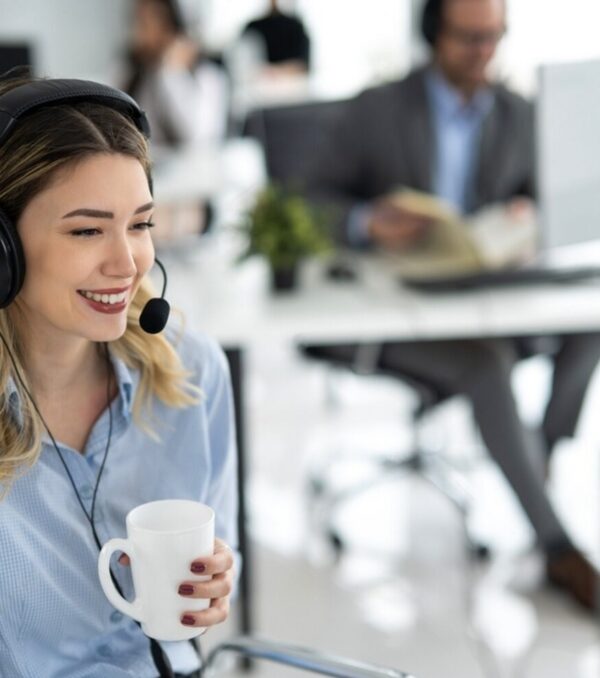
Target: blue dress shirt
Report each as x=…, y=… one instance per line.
x=55, y=621
x=457, y=128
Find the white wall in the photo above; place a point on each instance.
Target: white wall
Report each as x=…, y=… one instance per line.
x=71, y=38
x=542, y=31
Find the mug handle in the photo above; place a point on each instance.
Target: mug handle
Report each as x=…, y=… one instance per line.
x=130, y=609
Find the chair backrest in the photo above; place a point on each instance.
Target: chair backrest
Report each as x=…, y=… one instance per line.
x=291, y=136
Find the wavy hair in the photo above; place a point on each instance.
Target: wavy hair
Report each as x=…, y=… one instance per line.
x=42, y=143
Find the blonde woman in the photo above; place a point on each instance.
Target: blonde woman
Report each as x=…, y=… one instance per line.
x=96, y=415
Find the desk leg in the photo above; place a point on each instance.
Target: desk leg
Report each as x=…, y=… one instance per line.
x=236, y=359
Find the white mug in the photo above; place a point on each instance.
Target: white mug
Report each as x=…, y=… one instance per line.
x=163, y=538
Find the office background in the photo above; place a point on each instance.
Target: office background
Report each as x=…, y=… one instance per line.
x=395, y=599
x=82, y=38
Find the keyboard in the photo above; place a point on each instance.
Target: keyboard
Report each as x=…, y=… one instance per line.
x=505, y=278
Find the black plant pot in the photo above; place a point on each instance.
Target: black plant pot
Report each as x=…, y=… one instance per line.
x=284, y=279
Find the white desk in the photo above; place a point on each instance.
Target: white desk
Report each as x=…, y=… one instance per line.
x=233, y=304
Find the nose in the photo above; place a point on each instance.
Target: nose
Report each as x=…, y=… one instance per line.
x=119, y=259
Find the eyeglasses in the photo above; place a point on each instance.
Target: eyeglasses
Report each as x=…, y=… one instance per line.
x=474, y=38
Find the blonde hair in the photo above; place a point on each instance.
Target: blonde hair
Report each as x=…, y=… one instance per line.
x=43, y=142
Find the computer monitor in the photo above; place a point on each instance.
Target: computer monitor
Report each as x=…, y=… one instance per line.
x=568, y=154
x=14, y=54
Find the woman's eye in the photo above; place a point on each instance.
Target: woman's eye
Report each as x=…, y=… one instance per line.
x=143, y=225
x=85, y=232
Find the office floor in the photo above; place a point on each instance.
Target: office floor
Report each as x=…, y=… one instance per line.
x=404, y=593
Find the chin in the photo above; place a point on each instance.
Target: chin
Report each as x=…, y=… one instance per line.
x=106, y=334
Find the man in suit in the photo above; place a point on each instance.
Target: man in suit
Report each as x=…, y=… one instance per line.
x=449, y=130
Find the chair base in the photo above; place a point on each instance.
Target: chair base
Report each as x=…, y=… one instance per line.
x=437, y=471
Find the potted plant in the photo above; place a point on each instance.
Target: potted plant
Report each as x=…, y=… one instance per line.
x=284, y=228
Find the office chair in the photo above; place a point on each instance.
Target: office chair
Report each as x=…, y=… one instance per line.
x=292, y=136
x=296, y=657
x=429, y=464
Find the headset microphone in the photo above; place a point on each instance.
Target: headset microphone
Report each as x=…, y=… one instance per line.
x=155, y=314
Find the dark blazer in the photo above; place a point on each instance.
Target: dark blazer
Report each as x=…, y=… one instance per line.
x=386, y=140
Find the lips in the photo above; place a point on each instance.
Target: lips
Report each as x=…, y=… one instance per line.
x=106, y=300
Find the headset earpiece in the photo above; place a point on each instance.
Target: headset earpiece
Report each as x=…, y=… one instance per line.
x=12, y=261
x=431, y=21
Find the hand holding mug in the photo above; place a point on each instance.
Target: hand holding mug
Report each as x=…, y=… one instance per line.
x=182, y=576
x=217, y=589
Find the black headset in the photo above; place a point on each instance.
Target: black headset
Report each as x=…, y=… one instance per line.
x=15, y=105
x=431, y=21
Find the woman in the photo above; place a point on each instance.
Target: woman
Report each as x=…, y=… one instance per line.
x=184, y=94
x=96, y=416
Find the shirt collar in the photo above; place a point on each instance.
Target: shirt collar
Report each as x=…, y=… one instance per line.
x=449, y=102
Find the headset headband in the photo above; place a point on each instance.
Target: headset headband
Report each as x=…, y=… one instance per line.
x=20, y=101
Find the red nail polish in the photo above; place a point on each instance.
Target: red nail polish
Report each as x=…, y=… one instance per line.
x=188, y=620
x=185, y=590
x=198, y=568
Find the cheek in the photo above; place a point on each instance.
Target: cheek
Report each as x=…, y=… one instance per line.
x=46, y=275
x=144, y=257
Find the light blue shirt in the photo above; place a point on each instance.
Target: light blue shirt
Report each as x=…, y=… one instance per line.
x=55, y=621
x=457, y=128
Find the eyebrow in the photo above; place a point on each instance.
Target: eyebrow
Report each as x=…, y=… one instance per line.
x=101, y=214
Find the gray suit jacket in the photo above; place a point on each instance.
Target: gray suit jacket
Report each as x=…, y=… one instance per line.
x=385, y=140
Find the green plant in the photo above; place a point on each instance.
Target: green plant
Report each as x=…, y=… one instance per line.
x=284, y=228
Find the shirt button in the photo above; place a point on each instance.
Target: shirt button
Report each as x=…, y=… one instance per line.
x=86, y=491
x=116, y=616
x=104, y=651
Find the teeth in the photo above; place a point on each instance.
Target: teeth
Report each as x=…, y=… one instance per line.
x=106, y=298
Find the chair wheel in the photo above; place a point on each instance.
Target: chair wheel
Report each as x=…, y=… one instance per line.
x=480, y=552
x=336, y=542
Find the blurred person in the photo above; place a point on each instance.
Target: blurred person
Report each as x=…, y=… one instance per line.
x=284, y=39
x=449, y=130
x=184, y=94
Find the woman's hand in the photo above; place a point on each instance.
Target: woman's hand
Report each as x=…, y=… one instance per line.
x=220, y=567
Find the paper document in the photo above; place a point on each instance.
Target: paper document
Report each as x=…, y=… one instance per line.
x=490, y=239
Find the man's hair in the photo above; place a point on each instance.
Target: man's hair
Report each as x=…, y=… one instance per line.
x=431, y=20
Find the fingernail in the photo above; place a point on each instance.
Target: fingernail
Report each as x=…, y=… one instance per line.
x=197, y=568
x=185, y=590
x=188, y=620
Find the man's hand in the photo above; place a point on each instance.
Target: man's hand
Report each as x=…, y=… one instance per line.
x=394, y=227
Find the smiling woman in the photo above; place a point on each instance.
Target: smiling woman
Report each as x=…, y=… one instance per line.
x=75, y=246
x=108, y=247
